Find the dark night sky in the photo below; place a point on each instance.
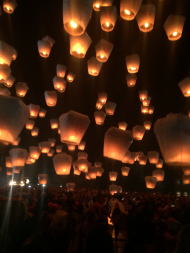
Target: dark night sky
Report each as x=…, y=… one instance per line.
x=163, y=65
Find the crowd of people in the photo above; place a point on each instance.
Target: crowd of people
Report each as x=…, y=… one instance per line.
x=89, y=221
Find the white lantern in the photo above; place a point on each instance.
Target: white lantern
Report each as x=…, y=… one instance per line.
x=7, y=54
x=62, y=164
x=43, y=179
x=125, y=171
x=174, y=27
x=42, y=113
x=146, y=17
x=103, y=50
x=21, y=89
x=129, y=9
x=113, y=176
x=34, y=152
x=59, y=84
x=70, y=77
x=133, y=63
x=45, y=146
x=34, y=110
x=54, y=123
x=153, y=157
x=102, y=97
x=94, y=66
x=122, y=125
x=35, y=132
x=99, y=117
x=184, y=85
x=61, y=70
x=159, y=174
x=138, y=132
x=131, y=80
x=18, y=156
x=30, y=124
x=50, y=98
x=82, y=145
x=108, y=17
x=110, y=108
x=150, y=182
x=45, y=45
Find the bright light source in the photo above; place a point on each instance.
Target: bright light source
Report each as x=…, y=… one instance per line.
x=12, y=182
x=27, y=181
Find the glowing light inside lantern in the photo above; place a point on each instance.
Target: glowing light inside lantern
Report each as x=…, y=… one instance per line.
x=73, y=24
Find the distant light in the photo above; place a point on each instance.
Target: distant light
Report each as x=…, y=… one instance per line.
x=29, y=186
x=146, y=25
x=27, y=181
x=12, y=183
x=60, y=186
x=44, y=185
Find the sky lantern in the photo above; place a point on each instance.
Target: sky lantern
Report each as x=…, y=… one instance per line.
x=125, y=171
x=146, y=101
x=114, y=189
x=62, y=163
x=42, y=113
x=33, y=110
x=103, y=50
x=129, y=9
x=102, y=97
x=99, y=117
x=133, y=63
x=59, y=84
x=21, y=89
x=122, y=125
x=8, y=162
x=186, y=171
x=5, y=72
x=97, y=5
x=131, y=80
x=7, y=53
x=45, y=45
x=147, y=125
x=61, y=70
x=73, y=126
x=186, y=179
x=138, y=132
x=150, y=182
x=45, y=146
x=143, y=94
x=9, y=172
x=76, y=15
x=35, y=131
x=113, y=175
x=159, y=174
x=34, y=152
x=13, y=117
x=30, y=124
x=99, y=105
x=4, y=91
x=79, y=45
x=30, y=160
x=82, y=165
x=174, y=27
x=92, y=173
x=70, y=77
x=142, y=159
x=160, y=163
x=94, y=66
x=50, y=98
x=116, y=143
x=153, y=157
x=51, y=152
x=108, y=17
x=172, y=133
x=144, y=109
x=10, y=81
x=151, y=109
x=18, y=156
x=184, y=86
x=52, y=142
x=54, y=124
x=71, y=147
x=9, y=6
x=16, y=141
x=110, y=108
x=82, y=146
x=77, y=172
x=58, y=148
x=146, y=17
x=82, y=155
x=43, y=179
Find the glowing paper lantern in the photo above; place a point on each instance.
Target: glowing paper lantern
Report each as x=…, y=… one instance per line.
x=172, y=133
x=108, y=17
x=94, y=66
x=153, y=157
x=142, y=159
x=34, y=152
x=159, y=174
x=106, y=3
x=143, y=94
x=58, y=148
x=30, y=124
x=102, y=97
x=150, y=109
x=7, y=54
x=59, y=84
x=52, y=142
x=114, y=189
x=150, y=182
x=54, y=123
x=51, y=152
x=184, y=85
x=8, y=162
x=146, y=17
x=113, y=175
x=146, y=101
x=159, y=164
x=174, y=27
x=73, y=126
x=129, y=8
x=18, y=156
x=138, y=132
x=186, y=171
x=144, y=109
x=116, y=143
x=131, y=80
x=147, y=125
x=110, y=108
x=21, y=89
x=99, y=117
x=122, y=125
x=76, y=15
x=13, y=116
x=70, y=187
x=42, y=113
x=62, y=164
x=133, y=63
x=35, y=132
x=34, y=110
x=50, y=98
x=97, y=5
x=99, y=105
x=9, y=6
x=71, y=147
x=45, y=146
x=125, y=171
x=5, y=72
x=45, y=45
x=103, y=50
x=82, y=145
x=79, y=45
x=186, y=179
x=43, y=179
x=10, y=81
x=82, y=155
x=61, y=70
x=82, y=165
x=16, y=141
x=70, y=77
